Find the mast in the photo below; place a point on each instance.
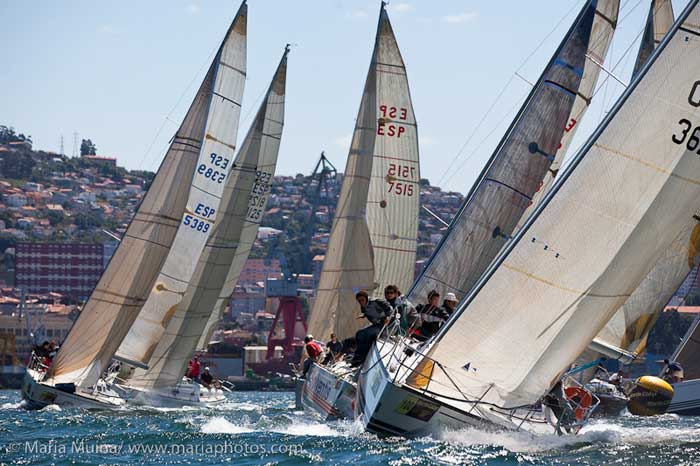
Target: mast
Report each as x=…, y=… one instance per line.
x=227, y=248
x=582, y=251
x=373, y=237
x=131, y=274
x=508, y=183
x=213, y=167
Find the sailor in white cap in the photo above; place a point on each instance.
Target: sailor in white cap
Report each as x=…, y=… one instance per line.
x=449, y=304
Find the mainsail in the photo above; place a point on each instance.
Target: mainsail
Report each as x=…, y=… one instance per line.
x=600, y=230
x=373, y=237
x=519, y=165
x=214, y=164
x=132, y=272
x=630, y=326
x=232, y=236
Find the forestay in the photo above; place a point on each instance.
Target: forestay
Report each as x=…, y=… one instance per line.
x=131, y=273
x=605, y=223
x=214, y=164
x=232, y=236
x=514, y=172
x=373, y=237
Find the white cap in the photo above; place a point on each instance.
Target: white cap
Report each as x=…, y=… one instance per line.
x=450, y=297
x=206, y=368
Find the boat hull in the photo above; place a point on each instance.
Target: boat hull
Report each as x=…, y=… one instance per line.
x=327, y=395
x=38, y=395
x=686, y=398
x=386, y=408
x=183, y=395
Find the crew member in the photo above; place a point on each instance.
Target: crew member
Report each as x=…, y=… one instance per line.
x=673, y=372
x=431, y=315
x=313, y=352
x=334, y=347
x=379, y=313
x=206, y=378
x=402, y=306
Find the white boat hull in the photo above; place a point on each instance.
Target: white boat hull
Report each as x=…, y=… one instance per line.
x=327, y=395
x=686, y=398
x=389, y=408
x=185, y=394
x=38, y=395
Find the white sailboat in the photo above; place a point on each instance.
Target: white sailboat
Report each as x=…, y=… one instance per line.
x=625, y=336
x=221, y=262
x=523, y=166
x=374, y=233
x=75, y=378
x=609, y=217
x=686, y=394
x=216, y=160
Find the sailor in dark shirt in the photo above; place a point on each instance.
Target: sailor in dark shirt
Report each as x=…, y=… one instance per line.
x=334, y=347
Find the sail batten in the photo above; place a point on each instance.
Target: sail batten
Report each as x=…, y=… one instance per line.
x=524, y=322
x=373, y=237
x=526, y=160
x=223, y=257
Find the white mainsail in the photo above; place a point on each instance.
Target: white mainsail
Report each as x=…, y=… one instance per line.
x=518, y=167
x=233, y=234
x=132, y=272
x=600, y=230
x=630, y=326
x=213, y=166
x=373, y=237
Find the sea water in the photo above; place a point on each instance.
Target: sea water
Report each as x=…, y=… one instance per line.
x=264, y=428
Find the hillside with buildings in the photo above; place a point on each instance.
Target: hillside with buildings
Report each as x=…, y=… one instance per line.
x=61, y=219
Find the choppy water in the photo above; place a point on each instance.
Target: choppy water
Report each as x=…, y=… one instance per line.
x=264, y=428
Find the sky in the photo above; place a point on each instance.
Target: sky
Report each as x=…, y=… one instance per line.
x=124, y=73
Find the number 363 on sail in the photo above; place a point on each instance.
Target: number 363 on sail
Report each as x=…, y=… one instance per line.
x=693, y=142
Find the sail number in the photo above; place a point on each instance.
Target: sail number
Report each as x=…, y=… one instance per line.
x=391, y=129
x=258, y=195
x=694, y=139
x=403, y=187
x=217, y=172
x=200, y=224
x=693, y=142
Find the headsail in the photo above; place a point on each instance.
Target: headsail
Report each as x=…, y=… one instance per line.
x=220, y=264
x=373, y=237
x=131, y=275
x=517, y=168
x=630, y=326
x=659, y=21
x=214, y=164
x=599, y=231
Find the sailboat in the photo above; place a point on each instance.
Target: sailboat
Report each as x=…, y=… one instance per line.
x=601, y=228
x=686, y=394
x=216, y=272
x=374, y=234
x=625, y=336
x=524, y=164
x=75, y=377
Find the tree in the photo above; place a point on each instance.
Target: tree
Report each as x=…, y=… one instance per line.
x=87, y=147
x=17, y=165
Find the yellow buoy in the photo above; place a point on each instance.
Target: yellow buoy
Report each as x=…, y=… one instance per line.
x=650, y=396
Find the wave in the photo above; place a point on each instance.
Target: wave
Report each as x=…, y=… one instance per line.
x=219, y=425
